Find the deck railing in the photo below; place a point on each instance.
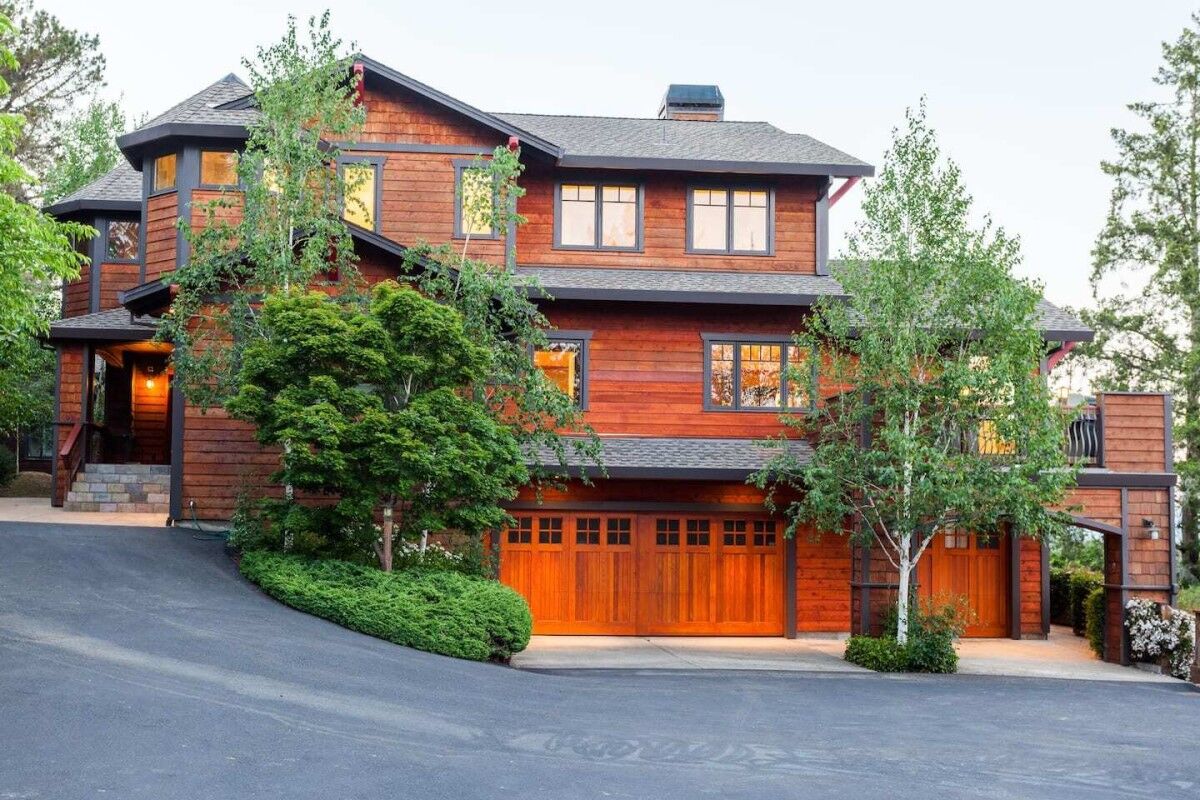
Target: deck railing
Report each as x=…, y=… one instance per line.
x=1084, y=445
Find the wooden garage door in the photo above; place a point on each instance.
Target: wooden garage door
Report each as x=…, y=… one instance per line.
x=974, y=566
x=647, y=574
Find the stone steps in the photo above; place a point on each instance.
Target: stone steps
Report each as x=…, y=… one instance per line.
x=125, y=488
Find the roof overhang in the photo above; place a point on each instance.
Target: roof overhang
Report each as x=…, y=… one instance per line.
x=703, y=165
x=115, y=325
x=80, y=206
x=670, y=296
x=134, y=145
x=147, y=298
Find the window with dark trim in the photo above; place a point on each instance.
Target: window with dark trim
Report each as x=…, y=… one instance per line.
x=755, y=375
x=564, y=360
x=218, y=168
x=475, y=202
x=362, y=180
x=121, y=237
x=164, y=172
x=733, y=220
x=598, y=216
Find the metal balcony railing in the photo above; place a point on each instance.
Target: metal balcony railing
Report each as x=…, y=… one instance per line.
x=1084, y=445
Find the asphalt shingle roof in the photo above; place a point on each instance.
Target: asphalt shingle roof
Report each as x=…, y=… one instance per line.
x=657, y=140
x=203, y=107
x=114, y=324
x=645, y=457
x=122, y=185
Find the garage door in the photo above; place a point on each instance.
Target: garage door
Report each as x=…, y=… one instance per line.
x=974, y=567
x=652, y=574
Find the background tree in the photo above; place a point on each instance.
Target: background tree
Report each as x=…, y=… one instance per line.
x=940, y=343
x=87, y=149
x=287, y=229
x=54, y=67
x=378, y=409
x=1146, y=265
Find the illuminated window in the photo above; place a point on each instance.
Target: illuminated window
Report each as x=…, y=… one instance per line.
x=218, y=168
x=735, y=221
x=121, y=240
x=476, y=203
x=598, y=216
x=164, y=172
x=361, y=187
x=755, y=375
x=564, y=362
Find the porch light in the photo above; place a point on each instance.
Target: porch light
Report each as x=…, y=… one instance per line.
x=149, y=383
x=1151, y=528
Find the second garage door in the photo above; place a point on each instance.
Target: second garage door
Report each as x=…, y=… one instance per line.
x=651, y=574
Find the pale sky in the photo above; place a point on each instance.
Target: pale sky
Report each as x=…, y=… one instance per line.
x=1023, y=94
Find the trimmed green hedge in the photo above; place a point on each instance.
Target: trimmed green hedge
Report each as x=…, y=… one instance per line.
x=1083, y=581
x=1093, y=611
x=1060, y=595
x=440, y=612
x=924, y=653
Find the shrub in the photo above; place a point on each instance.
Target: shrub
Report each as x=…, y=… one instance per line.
x=1083, y=581
x=1060, y=595
x=1189, y=598
x=1093, y=611
x=880, y=653
x=1156, y=631
x=8, y=466
x=441, y=612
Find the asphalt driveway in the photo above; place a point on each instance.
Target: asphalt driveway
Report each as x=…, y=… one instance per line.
x=135, y=663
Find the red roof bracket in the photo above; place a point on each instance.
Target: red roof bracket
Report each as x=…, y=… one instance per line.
x=845, y=187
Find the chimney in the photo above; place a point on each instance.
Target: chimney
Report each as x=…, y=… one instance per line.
x=694, y=102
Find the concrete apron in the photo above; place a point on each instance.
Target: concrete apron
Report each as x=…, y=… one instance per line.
x=38, y=509
x=1063, y=655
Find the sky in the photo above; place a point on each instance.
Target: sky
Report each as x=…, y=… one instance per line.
x=1023, y=95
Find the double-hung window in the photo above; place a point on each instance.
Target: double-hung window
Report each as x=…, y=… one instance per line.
x=362, y=189
x=731, y=220
x=744, y=374
x=564, y=362
x=598, y=216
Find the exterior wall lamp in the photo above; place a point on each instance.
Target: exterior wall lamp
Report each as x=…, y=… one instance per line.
x=1151, y=529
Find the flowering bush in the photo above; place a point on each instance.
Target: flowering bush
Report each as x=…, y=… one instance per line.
x=1156, y=631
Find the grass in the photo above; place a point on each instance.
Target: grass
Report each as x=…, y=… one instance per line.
x=28, y=484
x=1188, y=598
x=438, y=611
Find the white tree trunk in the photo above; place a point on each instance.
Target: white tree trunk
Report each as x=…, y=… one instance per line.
x=385, y=555
x=902, y=598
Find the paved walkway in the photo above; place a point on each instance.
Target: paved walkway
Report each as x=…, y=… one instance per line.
x=38, y=509
x=1063, y=655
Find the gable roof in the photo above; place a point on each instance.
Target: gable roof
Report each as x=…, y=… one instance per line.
x=201, y=115
x=734, y=288
x=119, y=189
x=671, y=144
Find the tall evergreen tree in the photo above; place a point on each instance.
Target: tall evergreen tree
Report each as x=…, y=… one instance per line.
x=1146, y=264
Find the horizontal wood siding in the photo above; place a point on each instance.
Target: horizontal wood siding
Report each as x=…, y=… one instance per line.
x=1030, y=582
x=76, y=293
x=823, y=572
x=162, y=212
x=151, y=428
x=1134, y=432
x=70, y=406
x=114, y=279
x=398, y=115
x=664, y=223
x=221, y=460
x=222, y=205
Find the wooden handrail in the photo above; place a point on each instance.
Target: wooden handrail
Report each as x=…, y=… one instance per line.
x=72, y=437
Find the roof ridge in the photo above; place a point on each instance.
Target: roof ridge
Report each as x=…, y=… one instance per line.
x=640, y=119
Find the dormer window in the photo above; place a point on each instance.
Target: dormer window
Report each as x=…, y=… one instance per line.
x=218, y=168
x=737, y=221
x=598, y=216
x=164, y=173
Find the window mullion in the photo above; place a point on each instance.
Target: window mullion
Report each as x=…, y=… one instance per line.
x=737, y=376
x=599, y=189
x=783, y=375
x=729, y=247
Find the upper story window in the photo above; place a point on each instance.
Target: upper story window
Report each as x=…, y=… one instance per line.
x=564, y=362
x=164, y=172
x=731, y=220
x=363, y=187
x=751, y=375
x=598, y=216
x=121, y=240
x=475, y=212
x=218, y=168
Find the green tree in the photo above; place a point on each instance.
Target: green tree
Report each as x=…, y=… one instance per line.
x=287, y=229
x=27, y=374
x=379, y=408
x=87, y=149
x=36, y=251
x=940, y=345
x=54, y=66
x=1147, y=335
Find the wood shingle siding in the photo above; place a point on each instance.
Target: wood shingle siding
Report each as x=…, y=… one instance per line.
x=1133, y=432
x=162, y=211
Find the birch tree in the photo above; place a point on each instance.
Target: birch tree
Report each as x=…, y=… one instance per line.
x=942, y=422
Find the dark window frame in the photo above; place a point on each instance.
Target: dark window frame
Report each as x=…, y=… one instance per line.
x=174, y=187
x=200, y=168
x=104, y=227
x=738, y=339
x=729, y=249
x=585, y=356
x=460, y=167
x=377, y=163
x=599, y=184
